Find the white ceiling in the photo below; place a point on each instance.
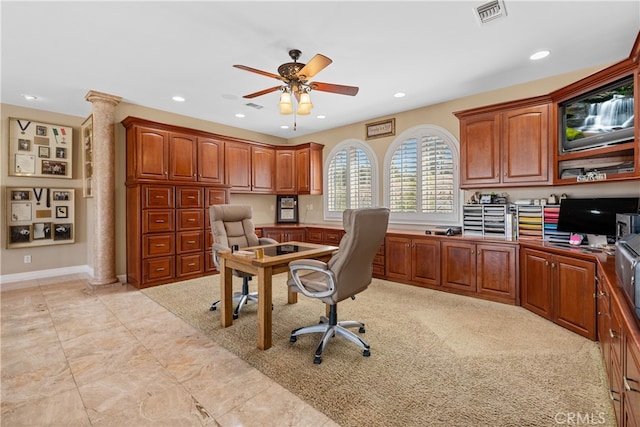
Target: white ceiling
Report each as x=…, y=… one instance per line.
x=146, y=52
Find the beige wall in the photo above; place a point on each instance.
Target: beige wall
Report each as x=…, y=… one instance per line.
x=264, y=205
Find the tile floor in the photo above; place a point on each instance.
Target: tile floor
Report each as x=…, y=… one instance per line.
x=73, y=356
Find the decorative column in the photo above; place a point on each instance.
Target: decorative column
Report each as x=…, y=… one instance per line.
x=103, y=188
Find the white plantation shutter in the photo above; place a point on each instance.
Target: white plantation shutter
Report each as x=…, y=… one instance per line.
x=421, y=181
x=350, y=179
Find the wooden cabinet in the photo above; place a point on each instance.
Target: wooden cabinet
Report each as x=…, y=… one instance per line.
x=249, y=168
x=299, y=169
x=485, y=270
x=263, y=169
x=210, y=160
x=506, y=144
x=285, y=234
x=631, y=384
x=414, y=260
x=148, y=153
x=183, y=160
x=561, y=289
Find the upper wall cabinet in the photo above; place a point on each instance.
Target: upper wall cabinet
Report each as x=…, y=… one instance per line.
x=299, y=169
x=505, y=144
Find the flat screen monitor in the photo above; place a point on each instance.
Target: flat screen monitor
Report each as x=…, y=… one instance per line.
x=594, y=216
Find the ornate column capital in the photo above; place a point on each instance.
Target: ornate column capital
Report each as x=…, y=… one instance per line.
x=93, y=96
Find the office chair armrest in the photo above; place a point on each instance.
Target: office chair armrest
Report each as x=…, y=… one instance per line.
x=216, y=248
x=266, y=241
x=312, y=265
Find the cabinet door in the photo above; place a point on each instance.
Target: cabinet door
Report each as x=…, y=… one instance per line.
x=631, y=381
x=425, y=260
x=151, y=153
x=398, y=257
x=459, y=266
x=263, y=164
x=525, y=145
x=210, y=160
x=496, y=268
x=237, y=170
x=535, y=282
x=480, y=150
x=573, y=295
x=286, y=172
x=183, y=157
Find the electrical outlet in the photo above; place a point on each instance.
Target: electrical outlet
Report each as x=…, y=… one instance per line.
x=273, y=208
x=310, y=207
x=27, y=259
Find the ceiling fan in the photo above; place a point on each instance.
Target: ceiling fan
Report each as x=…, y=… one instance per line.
x=295, y=77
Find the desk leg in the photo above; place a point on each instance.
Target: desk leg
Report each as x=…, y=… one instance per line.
x=264, y=308
x=292, y=297
x=226, y=294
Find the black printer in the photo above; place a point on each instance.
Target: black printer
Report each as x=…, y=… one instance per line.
x=628, y=268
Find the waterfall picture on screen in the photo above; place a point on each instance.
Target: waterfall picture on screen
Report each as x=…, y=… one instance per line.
x=599, y=118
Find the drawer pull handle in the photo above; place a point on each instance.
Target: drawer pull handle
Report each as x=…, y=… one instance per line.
x=612, y=397
x=160, y=269
x=159, y=197
x=191, y=242
x=191, y=264
x=159, y=221
x=191, y=197
x=191, y=220
x=627, y=386
x=160, y=245
x=612, y=333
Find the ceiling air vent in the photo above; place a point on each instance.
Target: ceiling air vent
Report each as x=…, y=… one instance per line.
x=252, y=105
x=490, y=11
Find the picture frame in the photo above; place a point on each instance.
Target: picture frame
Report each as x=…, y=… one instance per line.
x=20, y=195
x=287, y=209
x=50, y=167
x=63, y=232
x=60, y=195
x=380, y=129
x=41, y=230
x=44, y=152
x=20, y=234
x=61, y=153
x=62, y=212
x=21, y=211
x=24, y=144
x=41, y=130
x=25, y=164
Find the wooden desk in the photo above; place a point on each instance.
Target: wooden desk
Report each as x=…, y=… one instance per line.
x=264, y=269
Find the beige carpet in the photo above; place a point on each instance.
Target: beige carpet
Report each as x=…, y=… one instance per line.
x=437, y=359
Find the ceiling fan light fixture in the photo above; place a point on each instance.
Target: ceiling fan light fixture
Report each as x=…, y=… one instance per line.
x=305, y=105
x=285, y=105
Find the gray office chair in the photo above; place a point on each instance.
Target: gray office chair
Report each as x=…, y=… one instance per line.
x=347, y=273
x=232, y=225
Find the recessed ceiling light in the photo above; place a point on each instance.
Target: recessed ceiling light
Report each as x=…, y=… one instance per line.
x=239, y=115
x=29, y=97
x=284, y=127
x=399, y=95
x=178, y=98
x=539, y=55
x=321, y=116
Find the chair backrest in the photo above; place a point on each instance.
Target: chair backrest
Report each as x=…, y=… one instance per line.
x=352, y=263
x=232, y=225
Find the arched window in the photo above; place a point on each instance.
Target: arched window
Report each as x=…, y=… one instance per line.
x=422, y=178
x=350, y=178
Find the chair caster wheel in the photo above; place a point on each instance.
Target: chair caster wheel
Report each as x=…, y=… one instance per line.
x=317, y=360
x=235, y=316
x=213, y=308
x=366, y=353
x=293, y=339
x=361, y=330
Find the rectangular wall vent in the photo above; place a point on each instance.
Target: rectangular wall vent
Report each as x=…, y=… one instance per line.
x=490, y=11
x=252, y=105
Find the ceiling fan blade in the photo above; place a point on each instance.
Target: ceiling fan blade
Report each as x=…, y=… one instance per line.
x=262, y=92
x=333, y=88
x=262, y=73
x=318, y=63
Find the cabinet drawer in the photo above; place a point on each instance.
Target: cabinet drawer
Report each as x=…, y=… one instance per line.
x=209, y=265
x=154, y=221
x=216, y=197
x=158, y=268
x=190, y=219
x=157, y=244
x=189, y=197
x=208, y=239
x=190, y=264
x=378, y=270
x=378, y=260
x=631, y=379
x=333, y=238
x=189, y=241
x=157, y=197
x=314, y=236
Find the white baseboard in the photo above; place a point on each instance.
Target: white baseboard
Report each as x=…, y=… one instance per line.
x=10, y=282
